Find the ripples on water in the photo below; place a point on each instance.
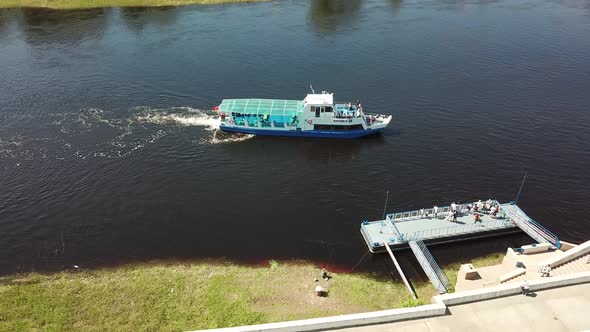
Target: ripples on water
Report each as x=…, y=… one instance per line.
x=480, y=91
x=95, y=133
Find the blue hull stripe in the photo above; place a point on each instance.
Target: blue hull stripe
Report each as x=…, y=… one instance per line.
x=301, y=133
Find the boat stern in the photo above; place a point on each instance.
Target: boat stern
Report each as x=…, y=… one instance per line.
x=378, y=121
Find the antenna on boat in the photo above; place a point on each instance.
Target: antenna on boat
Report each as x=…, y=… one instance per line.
x=311, y=87
x=519, y=190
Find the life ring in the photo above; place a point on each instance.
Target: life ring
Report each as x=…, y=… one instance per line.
x=309, y=121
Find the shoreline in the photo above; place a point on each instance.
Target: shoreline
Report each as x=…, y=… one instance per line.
x=90, y=4
x=186, y=296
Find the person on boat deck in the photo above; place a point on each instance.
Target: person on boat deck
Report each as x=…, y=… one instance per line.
x=453, y=207
x=349, y=106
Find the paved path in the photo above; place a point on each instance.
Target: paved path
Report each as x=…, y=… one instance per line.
x=558, y=309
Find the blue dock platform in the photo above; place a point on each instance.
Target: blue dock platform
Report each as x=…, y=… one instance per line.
x=399, y=229
x=414, y=229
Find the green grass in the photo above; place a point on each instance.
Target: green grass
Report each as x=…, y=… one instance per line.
x=187, y=296
x=452, y=270
x=84, y=4
x=174, y=297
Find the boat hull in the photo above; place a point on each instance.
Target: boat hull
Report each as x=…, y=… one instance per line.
x=301, y=133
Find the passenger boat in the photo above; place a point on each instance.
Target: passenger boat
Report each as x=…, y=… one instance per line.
x=314, y=116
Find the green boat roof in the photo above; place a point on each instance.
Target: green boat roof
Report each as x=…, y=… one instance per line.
x=261, y=106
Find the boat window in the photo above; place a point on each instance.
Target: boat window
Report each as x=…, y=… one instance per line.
x=328, y=109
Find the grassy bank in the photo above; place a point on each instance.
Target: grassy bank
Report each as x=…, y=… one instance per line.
x=182, y=297
x=84, y=4
x=173, y=297
x=453, y=269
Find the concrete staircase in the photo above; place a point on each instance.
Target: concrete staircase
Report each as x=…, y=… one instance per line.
x=579, y=264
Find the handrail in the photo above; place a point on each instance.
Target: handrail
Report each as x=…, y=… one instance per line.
x=459, y=229
x=439, y=272
x=524, y=221
x=399, y=216
x=397, y=232
x=430, y=267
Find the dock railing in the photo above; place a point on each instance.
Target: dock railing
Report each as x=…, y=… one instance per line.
x=430, y=267
x=531, y=227
x=442, y=211
x=428, y=234
x=398, y=234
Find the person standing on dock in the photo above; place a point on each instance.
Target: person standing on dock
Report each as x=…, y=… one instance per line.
x=477, y=218
x=453, y=207
x=435, y=211
x=494, y=210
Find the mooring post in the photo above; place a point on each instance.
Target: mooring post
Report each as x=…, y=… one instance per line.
x=399, y=269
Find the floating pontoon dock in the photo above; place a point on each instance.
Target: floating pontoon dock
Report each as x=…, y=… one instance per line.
x=413, y=228
x=398, y=229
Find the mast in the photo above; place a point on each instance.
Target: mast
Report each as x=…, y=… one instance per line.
x=520, y=189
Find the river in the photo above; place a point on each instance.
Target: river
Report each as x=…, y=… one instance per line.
x=109, y=154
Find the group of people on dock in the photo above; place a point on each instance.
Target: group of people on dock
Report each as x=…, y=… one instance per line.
x=477, y=208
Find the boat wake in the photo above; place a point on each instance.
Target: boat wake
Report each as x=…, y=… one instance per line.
x=97, y=133
x=187, y=117
x=181, y=116
x=225, y=137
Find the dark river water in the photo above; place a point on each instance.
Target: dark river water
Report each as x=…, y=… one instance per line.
x=108, y=152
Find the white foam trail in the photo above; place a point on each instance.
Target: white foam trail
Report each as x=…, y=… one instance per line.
x=221, y=137
x=189, y=117
x=118, y=136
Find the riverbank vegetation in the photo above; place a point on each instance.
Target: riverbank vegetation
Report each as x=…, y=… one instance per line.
x=84, y=4
x=452, y=270
x=173, y=297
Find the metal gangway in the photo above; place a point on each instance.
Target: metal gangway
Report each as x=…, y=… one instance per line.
x=530, y=226
x=433, y=271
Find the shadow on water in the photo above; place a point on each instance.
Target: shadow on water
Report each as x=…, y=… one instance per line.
x=45, y=26
x=313, y=150
x=329, y=15
x=6, y=20
x=137, y=18
x=395, y=5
